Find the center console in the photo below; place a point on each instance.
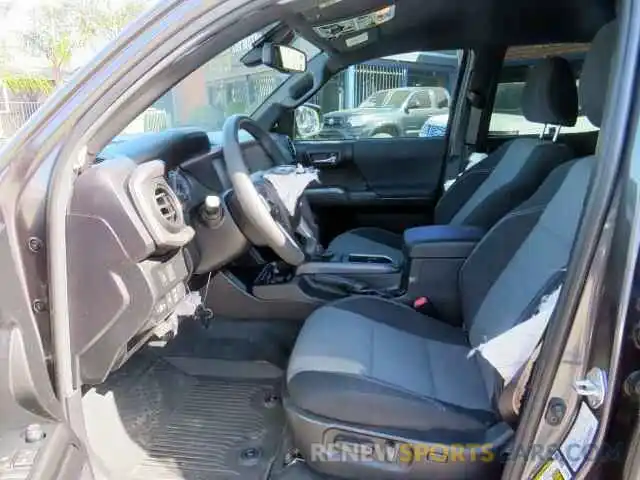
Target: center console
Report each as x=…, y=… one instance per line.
x=433, y=257
x=278, y=290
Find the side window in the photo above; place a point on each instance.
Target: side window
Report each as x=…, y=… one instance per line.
x=507, y=118
x=222, y=87
x=421, y=100
x=390, y=97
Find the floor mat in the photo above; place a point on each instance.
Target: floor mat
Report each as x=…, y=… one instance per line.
x=269, y=341
x=153, y=420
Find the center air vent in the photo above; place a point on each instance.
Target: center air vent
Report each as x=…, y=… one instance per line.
x=167, y=206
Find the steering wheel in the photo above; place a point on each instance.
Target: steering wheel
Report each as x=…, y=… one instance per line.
x=258, y=200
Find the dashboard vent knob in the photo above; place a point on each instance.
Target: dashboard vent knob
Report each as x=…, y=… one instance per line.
x=167, y=206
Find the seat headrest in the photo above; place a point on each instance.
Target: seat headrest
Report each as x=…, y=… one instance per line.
x=550, y=95
x=595, y=73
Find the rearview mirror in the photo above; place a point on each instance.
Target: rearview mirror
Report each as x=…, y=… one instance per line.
x=284, y=58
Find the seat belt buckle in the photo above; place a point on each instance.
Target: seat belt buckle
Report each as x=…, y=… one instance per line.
x=423, y=305
x=420, y=302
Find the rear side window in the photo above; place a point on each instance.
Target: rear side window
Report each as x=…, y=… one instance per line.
x=506, y=117
x=389, y=97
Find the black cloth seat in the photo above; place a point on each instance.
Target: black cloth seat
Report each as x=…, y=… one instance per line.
x=503, y=180
x=397, y=382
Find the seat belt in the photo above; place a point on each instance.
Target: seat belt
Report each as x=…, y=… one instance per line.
x=476, y=103
x=512, y=396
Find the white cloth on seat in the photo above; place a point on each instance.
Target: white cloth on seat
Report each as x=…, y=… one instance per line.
x=509, y=351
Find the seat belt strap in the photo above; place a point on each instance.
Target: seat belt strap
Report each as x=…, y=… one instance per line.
x=511, y=398
x=475, y=115
x=509, y=351
x=473, y=127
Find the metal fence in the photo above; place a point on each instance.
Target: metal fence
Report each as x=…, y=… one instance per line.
x=15, y=114
x=365, y=79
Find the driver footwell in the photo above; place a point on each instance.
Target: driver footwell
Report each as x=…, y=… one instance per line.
x=186, y=418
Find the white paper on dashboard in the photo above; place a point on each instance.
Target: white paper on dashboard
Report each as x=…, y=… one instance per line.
x=290, y=183
x=508, y=352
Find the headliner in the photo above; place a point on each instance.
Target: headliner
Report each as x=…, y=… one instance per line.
x=451, y=24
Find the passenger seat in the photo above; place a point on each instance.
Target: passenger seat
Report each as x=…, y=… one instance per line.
x=503, y=180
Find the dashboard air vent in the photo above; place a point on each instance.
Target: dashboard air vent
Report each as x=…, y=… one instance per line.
x=167, y=206
x=158, y=206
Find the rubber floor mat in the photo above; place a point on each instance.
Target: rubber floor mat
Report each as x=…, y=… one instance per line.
x=179, y=426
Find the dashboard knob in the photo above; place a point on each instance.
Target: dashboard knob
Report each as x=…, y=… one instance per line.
x=211, y=211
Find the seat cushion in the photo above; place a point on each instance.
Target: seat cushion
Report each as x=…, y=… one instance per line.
x=369, y=241
x=406, y=370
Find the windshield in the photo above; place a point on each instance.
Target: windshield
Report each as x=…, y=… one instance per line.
x=386, y=98
x=220, y=88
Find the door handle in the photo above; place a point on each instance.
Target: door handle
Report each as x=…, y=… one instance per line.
x=331, y=160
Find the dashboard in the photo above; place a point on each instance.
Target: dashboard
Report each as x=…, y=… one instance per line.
x=135, y=238
x=193, y=158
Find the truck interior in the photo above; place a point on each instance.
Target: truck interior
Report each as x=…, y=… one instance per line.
x=218, y=333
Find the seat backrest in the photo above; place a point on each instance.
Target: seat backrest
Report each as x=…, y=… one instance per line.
x=507, y=177
x=521, y=255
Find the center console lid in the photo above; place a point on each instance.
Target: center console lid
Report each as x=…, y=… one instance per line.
x=441, y=241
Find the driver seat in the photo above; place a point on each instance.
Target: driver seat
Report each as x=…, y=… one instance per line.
x=371, y=372
x=503, y=180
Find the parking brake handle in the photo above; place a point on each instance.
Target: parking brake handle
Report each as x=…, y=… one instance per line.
x=346, y=285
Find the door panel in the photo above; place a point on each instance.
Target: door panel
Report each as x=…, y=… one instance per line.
x=386, y=183
x=404, y=168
